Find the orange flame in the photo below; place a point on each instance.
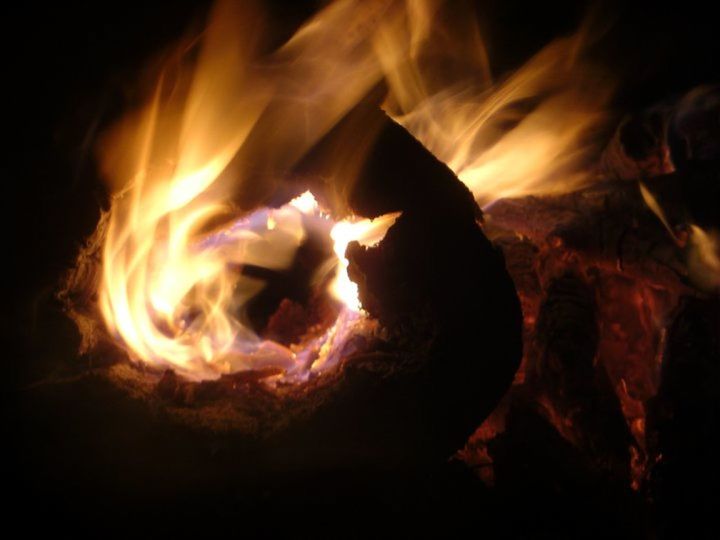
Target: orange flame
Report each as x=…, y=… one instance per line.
x=703, y=258
x=527, y=135
x=169, y=288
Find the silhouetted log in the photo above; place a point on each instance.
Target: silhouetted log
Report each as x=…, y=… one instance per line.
x=675, y=148
x=684, y=421
x=435, y=275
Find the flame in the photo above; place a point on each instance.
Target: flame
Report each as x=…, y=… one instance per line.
x=170, y=290
x=654, y=206
x=172, y=284
x=527, y=135
x=367, y=233
x=703, y=257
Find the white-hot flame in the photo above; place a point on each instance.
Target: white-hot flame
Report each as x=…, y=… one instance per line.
x=367, y=233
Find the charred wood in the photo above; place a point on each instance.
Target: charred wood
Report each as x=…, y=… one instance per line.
x=577, y=392
x=609, y=226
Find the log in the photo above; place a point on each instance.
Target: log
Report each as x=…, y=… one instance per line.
x=436, y=274
x=607, y=225
x=399, y=404
x=563, y=374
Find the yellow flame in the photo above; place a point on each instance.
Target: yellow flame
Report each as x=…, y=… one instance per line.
x=527, y=135
x=367, y=232
x=704, y=258
x=170, y=289
x=653, y=204
x=702, y=250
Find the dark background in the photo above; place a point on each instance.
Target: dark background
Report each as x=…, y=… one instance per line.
x=68, y=68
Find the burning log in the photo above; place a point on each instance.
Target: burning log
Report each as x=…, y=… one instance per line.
x=559, y=445
x=406, y=395
x=674, y=148
x=569, y=271
x=330, y=397
x=638, y=148
x=577, y=393
x=610, y=225
x=665, y=137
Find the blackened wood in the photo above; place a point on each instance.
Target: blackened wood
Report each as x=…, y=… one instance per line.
x=639, y=148
x=436, y=280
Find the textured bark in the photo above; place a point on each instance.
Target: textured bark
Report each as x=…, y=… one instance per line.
x=607, y=225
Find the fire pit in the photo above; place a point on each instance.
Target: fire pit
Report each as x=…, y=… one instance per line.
x=342, y=265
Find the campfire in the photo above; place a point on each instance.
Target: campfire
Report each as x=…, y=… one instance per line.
x=360, y=250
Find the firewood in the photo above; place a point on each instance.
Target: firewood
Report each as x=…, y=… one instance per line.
x=562, y=370
x=609, y=225
x=639, y=147
x=407, y=397
x=665, y=137
x=436, y=274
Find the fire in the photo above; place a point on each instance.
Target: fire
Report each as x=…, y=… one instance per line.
x=366, y=233
x=702, y=246
x=527, y=135
x=178, y=312
x=703, y=258
x=172, y=284
x=654, y=206
x=172, y=288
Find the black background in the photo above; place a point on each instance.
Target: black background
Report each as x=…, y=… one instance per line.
x=67, y=67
